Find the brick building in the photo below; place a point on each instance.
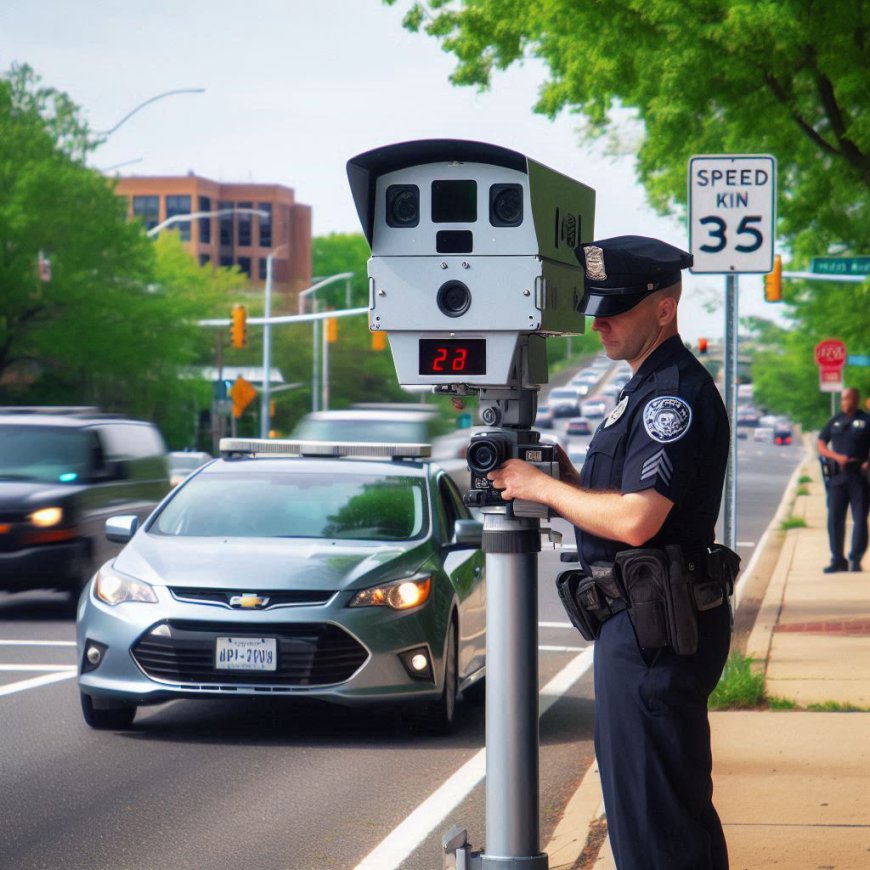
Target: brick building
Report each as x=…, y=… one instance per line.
x=235, y=239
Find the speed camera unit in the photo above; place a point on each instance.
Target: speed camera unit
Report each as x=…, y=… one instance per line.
x=473, y=260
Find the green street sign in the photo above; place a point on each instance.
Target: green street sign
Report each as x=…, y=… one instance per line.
x=841, y=265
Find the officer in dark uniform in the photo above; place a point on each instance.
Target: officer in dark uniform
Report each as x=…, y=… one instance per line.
x=652, y=478
x=848, y=434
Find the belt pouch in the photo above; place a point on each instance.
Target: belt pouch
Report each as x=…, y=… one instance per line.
x=644, y=575
x=682, y=619
x=573, y=589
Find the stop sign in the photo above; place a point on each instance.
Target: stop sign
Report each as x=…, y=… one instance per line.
x=831, y=353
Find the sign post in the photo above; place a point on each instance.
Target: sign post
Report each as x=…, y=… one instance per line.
x=830, y=358
x=732, y=223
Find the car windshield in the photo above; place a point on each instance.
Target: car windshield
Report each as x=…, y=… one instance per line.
x=296, y=505
x=44, y=454
x=563, y=394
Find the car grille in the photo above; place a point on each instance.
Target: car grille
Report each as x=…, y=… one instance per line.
x=309, y=654
x=280, y=598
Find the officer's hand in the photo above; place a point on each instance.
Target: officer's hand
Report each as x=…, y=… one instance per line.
x=567, y=472
x=518, y=479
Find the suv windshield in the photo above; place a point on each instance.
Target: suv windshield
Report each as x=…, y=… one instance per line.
x=44, y=454
x=296, y=505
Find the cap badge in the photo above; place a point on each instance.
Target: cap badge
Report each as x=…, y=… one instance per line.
x=667, y=419
x=594, y=263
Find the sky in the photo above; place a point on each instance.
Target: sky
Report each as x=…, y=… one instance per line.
x=294, y=88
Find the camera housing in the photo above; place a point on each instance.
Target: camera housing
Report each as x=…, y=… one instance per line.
x=472, y=258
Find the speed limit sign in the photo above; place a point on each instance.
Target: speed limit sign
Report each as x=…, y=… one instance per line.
x=732, y=213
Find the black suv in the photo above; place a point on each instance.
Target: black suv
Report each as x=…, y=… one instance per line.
x=63, y=471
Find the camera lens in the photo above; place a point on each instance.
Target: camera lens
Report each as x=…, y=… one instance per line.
x=486, y=453
x=506, y=205
x=403, y=205
x=454, y=298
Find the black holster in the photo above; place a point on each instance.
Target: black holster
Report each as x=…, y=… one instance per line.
x=589, y=600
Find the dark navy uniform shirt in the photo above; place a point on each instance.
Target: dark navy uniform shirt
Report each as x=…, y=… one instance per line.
x=850, y=436
x=669, y=432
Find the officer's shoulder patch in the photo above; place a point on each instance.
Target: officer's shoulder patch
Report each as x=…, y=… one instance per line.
x=667, y=418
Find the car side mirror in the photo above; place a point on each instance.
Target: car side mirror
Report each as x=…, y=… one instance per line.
x=121, y=529
x=468, y=533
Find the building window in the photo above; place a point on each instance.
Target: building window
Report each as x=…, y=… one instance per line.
x=204, y=223
x=244, y=264
x=147, y=209
x=265, y=225
x=179, y=205
x=245, y=221
x=226, y=226
x=262, y=268
x=204, y=259
x=226, y=261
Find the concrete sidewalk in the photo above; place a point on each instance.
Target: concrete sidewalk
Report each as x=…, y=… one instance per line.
x=791, y=785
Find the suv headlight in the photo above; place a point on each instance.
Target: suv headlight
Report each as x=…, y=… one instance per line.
x=399, y=595
x=113, y=588
x=46, y=517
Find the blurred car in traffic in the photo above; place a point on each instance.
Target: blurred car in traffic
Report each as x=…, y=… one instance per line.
x=577, y=451
x=763, y=434
x=578, y=426
x=748, y=416
x=404, y=424
x=594, y=407
x=63, y=471
x=350, y=574
x=545, y=417
x=183, y=462
x=564, y=401
x=783, y=432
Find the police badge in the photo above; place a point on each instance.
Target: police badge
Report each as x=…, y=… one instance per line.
x=594, y=263
x=667, y=419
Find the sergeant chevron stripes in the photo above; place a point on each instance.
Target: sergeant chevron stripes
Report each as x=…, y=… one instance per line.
x=658, y=463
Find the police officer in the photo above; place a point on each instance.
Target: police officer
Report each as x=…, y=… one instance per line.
x=653, y=476
x=848, y=434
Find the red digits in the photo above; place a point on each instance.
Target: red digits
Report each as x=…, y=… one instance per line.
x=440, y=357
x=458, y=364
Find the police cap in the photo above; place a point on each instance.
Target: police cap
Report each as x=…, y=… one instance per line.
x=623, y=270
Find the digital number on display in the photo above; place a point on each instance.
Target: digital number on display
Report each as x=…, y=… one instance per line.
x=452, y=356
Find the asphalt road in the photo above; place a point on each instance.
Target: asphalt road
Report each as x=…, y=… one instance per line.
x=266, y=785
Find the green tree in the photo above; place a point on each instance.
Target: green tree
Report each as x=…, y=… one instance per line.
x=114, y=322
x=338, y=253
x=785, y=77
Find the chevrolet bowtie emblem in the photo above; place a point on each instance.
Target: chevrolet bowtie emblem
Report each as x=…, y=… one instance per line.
x=248, y=600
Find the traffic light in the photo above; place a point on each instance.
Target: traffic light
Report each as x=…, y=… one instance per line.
x=379, y=341
x=702, y=346
x=773, y=282
x=331, y=330
x=239, y=327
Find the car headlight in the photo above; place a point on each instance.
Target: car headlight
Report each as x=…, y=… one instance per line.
x=400, y=595
x=115, y=588
x=45, y=517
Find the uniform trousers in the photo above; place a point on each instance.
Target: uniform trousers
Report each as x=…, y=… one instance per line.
x=652, y=741
x=845, y=490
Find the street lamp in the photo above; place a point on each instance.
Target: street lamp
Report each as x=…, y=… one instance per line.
x=181, y=218
x=106, y=133
x=265, y=416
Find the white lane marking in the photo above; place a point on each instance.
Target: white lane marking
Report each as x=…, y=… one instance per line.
x=561, y=648
x=555, y=625
x=745, y=543
x=45, y=668
x=37, y=643
x=404, y=839
x=35, y=682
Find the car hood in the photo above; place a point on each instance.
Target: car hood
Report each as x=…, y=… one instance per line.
x=24, y=494
x=268, y=563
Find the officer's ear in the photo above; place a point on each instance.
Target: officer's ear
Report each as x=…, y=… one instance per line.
x=666, y=309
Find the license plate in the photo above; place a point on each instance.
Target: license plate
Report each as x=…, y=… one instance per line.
x=246, y=654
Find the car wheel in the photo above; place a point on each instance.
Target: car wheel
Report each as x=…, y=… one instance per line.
x=116, y=717
x=442, y=713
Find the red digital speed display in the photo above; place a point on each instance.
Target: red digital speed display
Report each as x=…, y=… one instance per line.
x=452, y=356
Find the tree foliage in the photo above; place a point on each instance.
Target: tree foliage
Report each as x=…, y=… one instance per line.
x=789, y=78
x=114, y=321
